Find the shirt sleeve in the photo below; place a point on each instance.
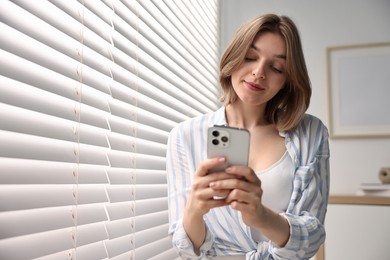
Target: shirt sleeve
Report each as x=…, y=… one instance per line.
x=183, y=245
x=308, y=205
x=179, y=182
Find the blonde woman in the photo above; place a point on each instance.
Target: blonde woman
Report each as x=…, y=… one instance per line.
x=275, y=207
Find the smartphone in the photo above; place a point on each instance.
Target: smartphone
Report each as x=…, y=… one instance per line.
x=233, y=143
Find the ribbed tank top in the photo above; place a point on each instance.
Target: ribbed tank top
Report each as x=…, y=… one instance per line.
x=277, y=186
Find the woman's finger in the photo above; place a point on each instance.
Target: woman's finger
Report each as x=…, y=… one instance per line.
x=209, y=193
x=245, y=172
x=208, y=164
x=230, y=184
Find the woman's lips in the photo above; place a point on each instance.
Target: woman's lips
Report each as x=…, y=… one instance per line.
x=253, y=86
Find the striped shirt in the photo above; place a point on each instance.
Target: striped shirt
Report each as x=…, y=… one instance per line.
x=226, y=233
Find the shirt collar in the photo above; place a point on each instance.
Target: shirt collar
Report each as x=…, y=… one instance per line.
x=220, y=117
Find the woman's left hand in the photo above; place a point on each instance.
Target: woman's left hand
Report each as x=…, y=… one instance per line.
x=246, y=194
x=246, y=197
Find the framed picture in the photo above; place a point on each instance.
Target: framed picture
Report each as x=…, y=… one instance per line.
x=359, y=90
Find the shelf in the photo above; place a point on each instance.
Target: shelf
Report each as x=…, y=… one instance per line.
x=359, y=200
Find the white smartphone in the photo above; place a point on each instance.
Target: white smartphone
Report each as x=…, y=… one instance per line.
x=233, y=143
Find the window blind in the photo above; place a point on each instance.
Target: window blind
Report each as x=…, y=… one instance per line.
x=89, y=91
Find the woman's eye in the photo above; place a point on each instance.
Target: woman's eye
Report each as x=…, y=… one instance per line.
x=276, y=70
x=250, y=59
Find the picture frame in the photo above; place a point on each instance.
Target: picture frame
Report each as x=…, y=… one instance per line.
x=359, y=90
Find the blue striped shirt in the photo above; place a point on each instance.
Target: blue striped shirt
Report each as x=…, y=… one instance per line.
x=226, y=233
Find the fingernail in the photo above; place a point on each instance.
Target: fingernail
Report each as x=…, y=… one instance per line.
x=221, y=159
x=229, y=169
x=212, y=184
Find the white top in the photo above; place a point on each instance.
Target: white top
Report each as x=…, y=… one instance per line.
x=277, y=186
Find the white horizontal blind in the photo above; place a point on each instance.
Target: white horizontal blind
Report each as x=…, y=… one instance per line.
x=89, y=91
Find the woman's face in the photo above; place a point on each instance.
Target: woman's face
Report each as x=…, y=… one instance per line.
x=262, y=74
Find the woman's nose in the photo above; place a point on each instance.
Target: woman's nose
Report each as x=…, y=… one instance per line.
x=259, y=72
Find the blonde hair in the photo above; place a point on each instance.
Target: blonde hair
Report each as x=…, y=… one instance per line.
x=286, y=109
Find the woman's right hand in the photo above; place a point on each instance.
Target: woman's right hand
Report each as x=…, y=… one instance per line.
x=201, y=198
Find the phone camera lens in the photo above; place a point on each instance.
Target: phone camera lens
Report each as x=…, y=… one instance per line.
x=215, y=142
x=215, y=133
x=224, y=139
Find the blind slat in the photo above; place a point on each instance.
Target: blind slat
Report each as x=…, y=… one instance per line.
x=134, y=128
x=122, y=210
x=124, y=143
x=29, y=122
x=120, y=245
x=22, y=171
x=134, y=160
x=133, y=113
x=20, y=197
x=142, y=176
x=150, y=235
x=24, y=222
x=53, y=241
x=91, y=251
x=123, y=227
x=24, y=146
x=118, y=193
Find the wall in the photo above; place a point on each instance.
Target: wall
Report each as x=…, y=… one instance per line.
x=324, y=24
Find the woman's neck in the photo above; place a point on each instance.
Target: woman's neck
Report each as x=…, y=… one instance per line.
x=249, y=117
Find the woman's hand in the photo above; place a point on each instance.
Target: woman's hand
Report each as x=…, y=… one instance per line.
x=201, y=198
x=245, y=195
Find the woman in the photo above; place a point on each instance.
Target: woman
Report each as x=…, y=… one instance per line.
x=275, y=207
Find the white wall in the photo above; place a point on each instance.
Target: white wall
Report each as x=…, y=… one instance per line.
x=324, y=24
